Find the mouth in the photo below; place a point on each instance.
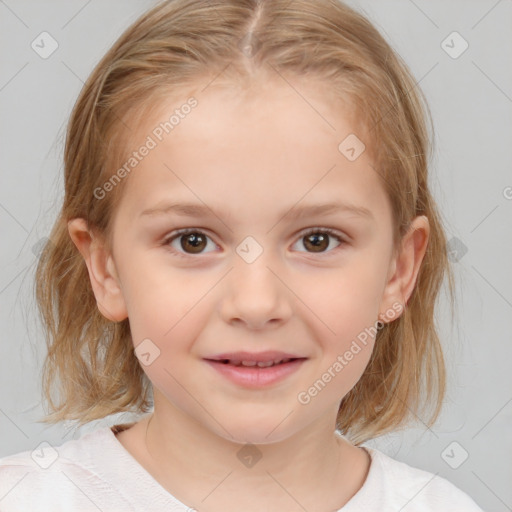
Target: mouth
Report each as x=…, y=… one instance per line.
x=265, y=359
x=251, y=363
x=254, y=370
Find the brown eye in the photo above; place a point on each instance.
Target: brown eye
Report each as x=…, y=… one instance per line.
x=316, y=242
x=319, y=240
x=191, y=242
x=196, y=242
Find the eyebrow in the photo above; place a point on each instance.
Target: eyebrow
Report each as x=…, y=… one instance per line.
x=199, y=210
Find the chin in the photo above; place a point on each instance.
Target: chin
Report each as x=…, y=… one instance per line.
x=256, y=431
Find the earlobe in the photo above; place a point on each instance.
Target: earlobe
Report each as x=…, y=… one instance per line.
x=406, y=265
x=102, y=272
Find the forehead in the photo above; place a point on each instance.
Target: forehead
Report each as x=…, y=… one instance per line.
x=277, y=141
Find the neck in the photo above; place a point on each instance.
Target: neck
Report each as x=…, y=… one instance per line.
x=312, y=468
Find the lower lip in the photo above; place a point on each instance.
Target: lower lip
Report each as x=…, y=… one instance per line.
x=254, y=376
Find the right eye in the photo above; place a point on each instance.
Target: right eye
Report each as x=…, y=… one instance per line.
x=191, y=241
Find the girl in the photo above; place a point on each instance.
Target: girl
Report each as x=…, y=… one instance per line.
x=248, y=251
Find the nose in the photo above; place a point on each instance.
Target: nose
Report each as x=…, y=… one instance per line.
x=255, y=295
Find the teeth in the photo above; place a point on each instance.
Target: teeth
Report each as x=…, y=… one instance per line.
x=265, y=365
x=260, y=364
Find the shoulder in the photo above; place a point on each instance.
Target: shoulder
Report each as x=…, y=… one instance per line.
x=395, y=485
x=56, y=478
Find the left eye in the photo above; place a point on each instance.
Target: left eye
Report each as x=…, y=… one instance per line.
x=318, y=239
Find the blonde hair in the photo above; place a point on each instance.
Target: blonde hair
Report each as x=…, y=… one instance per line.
x=180, y=42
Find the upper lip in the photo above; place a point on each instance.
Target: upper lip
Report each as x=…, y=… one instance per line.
x=258, y=357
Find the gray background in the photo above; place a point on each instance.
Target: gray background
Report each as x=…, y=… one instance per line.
x=471, y=101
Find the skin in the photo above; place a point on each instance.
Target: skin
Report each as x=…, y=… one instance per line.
x=250, y=156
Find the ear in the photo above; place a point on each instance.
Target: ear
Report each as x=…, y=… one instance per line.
x=102, y=272
x=404, y=268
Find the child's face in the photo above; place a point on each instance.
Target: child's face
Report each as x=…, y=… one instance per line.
x=247, y=160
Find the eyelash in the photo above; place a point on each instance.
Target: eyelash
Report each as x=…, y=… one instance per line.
x=186, y=231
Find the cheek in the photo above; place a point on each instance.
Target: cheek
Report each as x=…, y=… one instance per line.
x=165, y=323
x=344, y=308
x=169, y=314
x=346, y=300
x=164, y=304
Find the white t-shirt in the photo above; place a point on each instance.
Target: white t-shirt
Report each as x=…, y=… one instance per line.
x=96, y=473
